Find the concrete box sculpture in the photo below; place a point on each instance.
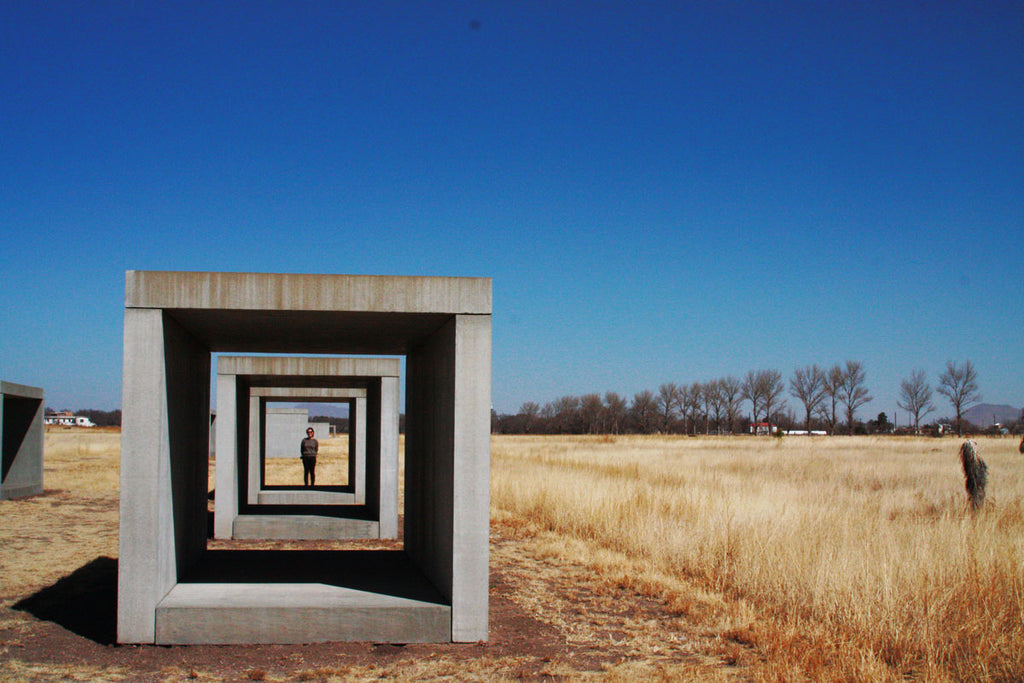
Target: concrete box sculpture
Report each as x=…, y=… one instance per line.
x=353, y=492
x=171, y=589
x=21, y=440
x=244, y=509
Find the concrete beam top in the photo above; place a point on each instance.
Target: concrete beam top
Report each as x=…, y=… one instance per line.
x=295, y=292
x=20, y=390
x=311, y=394
x=308, y=367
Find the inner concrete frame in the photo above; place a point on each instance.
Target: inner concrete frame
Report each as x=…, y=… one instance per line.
x=355, y=487
x=21, y=440
x=244, y=511
x=171, y=589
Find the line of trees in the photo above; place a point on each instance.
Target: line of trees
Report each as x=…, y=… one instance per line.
x=958, y=383
x=828, y=400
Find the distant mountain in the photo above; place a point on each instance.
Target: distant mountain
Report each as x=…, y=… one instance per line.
x=986, y=414
x=324, y=409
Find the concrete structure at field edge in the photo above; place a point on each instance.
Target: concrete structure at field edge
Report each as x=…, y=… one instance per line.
x=21, y=440
x=244, y=510
x=172, y=590
x=282, y=425
x=355, y=487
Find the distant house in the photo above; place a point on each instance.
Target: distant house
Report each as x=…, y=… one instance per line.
x=67, y=419
x=763, y=429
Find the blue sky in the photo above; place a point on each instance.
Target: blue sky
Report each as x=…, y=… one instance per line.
x=662, y=191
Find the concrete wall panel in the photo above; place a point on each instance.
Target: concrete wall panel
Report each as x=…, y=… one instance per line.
x=154, y=501
x=472, y=473
x=429, y=458
x=285, y=429
x=300, y=292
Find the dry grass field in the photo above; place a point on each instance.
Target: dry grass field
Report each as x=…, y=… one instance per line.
x=625, y=558
x=824, y=558
x=331, y=465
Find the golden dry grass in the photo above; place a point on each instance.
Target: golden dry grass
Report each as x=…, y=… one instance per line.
x=841, y=558
x=801, y=559
x=44, y=537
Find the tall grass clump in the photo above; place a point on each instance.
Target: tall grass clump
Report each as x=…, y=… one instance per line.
x=859, y=544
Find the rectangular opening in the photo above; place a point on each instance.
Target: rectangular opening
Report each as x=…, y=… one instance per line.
x=284, y=426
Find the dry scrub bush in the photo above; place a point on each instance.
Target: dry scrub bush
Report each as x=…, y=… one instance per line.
x=975, y=473
x=858, y=545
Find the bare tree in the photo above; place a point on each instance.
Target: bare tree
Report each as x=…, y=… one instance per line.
x=615, y=412
x=915, y=397
x=771, y=392
x=713, y=394
x=644, y=411
x=808, y=386
x=731, y=396
x=529, y=411
x=829, y=408
x=853, y=394
x=566, y=413
x=750, y=390
x=591, y=411
x=959, y=383
x=691, y=405
x=668, y=401
x=708, y=396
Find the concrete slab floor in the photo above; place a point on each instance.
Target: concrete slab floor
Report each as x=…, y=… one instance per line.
x=300, y=596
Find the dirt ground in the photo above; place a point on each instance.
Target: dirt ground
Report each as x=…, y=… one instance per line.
x=550, y=618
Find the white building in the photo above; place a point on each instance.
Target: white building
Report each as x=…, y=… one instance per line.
x=66, y=419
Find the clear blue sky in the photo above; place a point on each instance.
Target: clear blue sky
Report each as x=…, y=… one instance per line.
x=662, y=191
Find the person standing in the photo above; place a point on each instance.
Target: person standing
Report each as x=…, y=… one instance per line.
x=307, y=451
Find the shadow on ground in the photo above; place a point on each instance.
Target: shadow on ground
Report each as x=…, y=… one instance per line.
x=84, y=602
x=386, y=572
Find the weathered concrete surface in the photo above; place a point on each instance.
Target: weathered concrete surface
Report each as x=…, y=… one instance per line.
x=294, y=613
x=302, y=292
x=21, y=440
x=164, y=464
x=174, y=321
x=303, y=596
x=292, y=527
x=447, y=452
x=284, y=429
x=298, y=496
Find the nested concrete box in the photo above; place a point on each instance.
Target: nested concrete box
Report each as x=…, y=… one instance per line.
x=354, y=490
x=21, y=440
x=245, y=509
x=172, y=589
